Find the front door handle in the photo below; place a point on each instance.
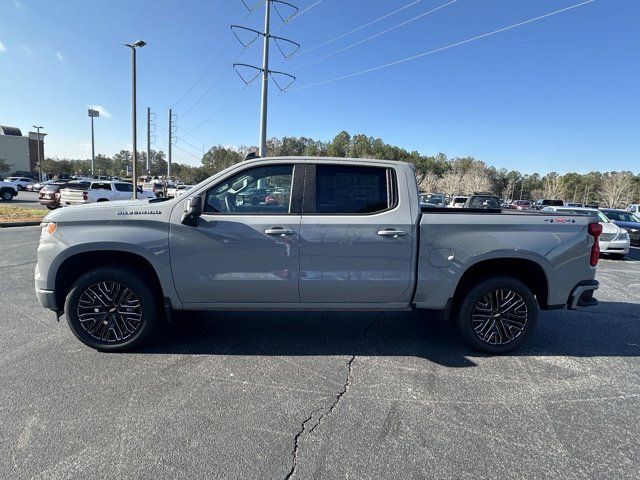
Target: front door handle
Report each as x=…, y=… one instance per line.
x=279, y=231
x=392, y=233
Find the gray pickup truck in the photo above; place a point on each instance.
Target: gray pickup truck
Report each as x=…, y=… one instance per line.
x=328, y=234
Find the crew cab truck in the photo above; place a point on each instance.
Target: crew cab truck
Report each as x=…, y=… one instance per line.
x=343, y=234
x=101, y=191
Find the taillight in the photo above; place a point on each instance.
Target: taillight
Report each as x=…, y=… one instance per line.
x=595, y=229
x=85, y=195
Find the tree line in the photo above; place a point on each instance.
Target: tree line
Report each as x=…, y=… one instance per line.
x=435, y=173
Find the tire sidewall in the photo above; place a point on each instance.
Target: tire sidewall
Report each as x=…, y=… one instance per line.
x=469, y=298
x=128, y=278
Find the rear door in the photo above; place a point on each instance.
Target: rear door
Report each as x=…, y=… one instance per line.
x=123, y=191
x=356, y=236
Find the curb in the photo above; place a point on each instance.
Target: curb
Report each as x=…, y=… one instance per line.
x=19, y=224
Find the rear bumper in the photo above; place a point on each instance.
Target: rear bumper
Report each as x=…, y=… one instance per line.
x=582, y=295
x=47, y=299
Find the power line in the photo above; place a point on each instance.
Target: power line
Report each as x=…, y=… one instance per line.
x=360, y=42
x=359, y=28
x=468, y=40
x=223, y=106
x=298, y=15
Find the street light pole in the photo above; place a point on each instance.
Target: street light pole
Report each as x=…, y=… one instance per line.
x=93, y=113
x=38, y=147
x=134, y=132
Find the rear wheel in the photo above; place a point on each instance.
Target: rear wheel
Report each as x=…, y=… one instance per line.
x=497, y=315
x=111, y=309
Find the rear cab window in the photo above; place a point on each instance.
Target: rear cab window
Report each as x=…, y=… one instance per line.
x=352, y=189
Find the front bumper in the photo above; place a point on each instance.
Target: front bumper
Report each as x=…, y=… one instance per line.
x=582, y=294
x=47, y=299
x=617, y=246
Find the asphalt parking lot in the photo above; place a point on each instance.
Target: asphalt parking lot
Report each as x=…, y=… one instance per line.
x=317, y=395
x=27, y=200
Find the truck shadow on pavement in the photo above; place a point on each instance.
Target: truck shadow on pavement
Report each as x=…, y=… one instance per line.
x=610, y=329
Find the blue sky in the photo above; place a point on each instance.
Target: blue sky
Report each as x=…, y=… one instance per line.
x=558, y=94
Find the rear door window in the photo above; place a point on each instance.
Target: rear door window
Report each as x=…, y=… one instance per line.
x=346, y=189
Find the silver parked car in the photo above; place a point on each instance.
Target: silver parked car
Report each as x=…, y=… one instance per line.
x=613, y=240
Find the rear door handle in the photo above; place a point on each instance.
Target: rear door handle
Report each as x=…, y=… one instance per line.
x=392, y=233
x=279, y=231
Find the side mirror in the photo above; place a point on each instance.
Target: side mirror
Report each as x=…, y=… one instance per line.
x=192, y=211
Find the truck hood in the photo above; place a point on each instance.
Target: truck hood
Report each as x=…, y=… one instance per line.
x=106, y=211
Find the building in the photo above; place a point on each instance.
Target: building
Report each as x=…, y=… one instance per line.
x=20, y=152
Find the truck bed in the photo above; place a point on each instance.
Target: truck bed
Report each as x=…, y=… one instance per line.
x=452, y=240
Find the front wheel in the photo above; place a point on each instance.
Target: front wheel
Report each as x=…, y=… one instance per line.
x=6, y=195
x=111, y=309
x=496, y=315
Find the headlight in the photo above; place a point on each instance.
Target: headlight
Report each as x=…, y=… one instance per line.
x=47, y=230
x=634, y=230
x=623, y=235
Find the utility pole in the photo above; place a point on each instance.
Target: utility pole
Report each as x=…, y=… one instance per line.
x=148, y=140
x=265, y=81
x=264, y=72
x=170, y=142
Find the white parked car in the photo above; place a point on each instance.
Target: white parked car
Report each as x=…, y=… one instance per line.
x=177, y=190
x=101, y=191
x=613, y=239
x=21, y=182
x=457, y=202
x=634, y=208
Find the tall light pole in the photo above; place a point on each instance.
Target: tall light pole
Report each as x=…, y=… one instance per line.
x=38, y=147
x=134, y=160
x=93, y=114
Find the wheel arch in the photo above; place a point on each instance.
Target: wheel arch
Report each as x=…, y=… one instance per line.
x=80, y=263
x=527, y=271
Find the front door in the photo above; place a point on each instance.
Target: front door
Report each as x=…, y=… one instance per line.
x=357, y=236
x=245, y=248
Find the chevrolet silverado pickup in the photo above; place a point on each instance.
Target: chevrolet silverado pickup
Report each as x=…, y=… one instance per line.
x=341, y=234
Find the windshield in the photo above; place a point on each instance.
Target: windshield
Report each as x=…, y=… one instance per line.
x=621, y=216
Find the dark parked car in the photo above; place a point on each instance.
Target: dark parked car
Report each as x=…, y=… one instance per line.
x=626, y=220
x=482, y=200
x=50, y=194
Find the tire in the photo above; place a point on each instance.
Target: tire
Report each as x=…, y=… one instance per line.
x=490, y=327
x=6, y=195
x=110, y=289
x=19, y=187
x=50, y=207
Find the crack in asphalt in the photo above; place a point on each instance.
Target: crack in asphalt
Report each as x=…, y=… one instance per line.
x=345, y=388
x=296, y=445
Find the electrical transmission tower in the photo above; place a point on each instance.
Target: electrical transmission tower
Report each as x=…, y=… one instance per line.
x=151, y=133
x=287, y=49
x=172, y=138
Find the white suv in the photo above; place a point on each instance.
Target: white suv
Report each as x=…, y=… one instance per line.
x=21, y=182
x=634, y=208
